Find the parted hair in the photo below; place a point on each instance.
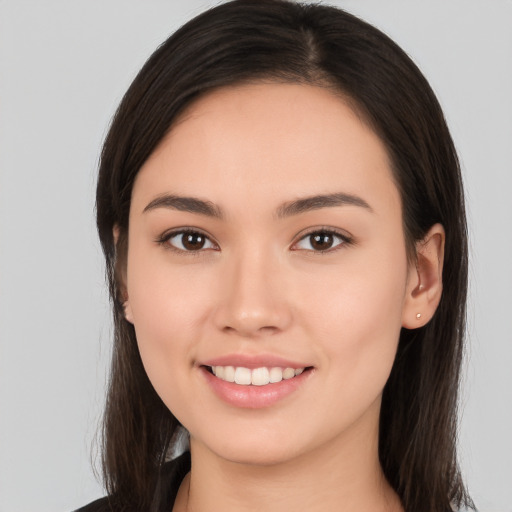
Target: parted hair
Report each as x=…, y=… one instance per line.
x=283, y=41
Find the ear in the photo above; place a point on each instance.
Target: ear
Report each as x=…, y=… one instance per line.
x=120, y=274
x=128, y=311
x=425, y=283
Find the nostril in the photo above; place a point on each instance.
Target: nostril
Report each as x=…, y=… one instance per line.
x=247, y=330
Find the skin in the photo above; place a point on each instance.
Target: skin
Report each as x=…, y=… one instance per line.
x=259, y=287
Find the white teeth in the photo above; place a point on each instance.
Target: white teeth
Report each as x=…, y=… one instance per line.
x=288, y=373
x=260, y=376
x=276, y=375
x=229, y=373
x=242, y=376
x=257, y=377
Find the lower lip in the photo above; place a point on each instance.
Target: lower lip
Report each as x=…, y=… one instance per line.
x=254, y=397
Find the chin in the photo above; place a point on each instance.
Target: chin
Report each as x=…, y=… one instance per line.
x=255, y=447
x=257, y=455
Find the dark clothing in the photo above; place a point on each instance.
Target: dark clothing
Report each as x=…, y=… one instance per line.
x=172, y=475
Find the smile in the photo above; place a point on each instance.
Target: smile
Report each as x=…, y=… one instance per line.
x=255, y=377
x=255, y=384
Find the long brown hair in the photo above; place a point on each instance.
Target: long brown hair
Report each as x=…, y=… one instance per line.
x=279, y=40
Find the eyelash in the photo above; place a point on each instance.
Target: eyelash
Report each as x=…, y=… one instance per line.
x=344, y=240
x=166, y=237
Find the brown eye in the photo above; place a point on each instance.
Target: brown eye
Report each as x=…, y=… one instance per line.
x=193, y=241
x=189, y=241
x=321, y=241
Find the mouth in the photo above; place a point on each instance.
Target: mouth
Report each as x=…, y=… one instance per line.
x=261, y=376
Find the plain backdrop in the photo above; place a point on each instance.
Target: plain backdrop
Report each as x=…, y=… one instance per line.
x=64, y=65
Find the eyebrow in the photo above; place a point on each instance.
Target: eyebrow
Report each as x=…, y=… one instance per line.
x=288, y=209
x=307, y=204
x=185, y=204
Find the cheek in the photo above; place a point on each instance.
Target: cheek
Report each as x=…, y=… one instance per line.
x=167, y=305
x=361, y=293
x=165, y=297
x=356, y=313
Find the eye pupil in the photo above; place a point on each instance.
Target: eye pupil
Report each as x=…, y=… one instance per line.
x=193, y=241
x=322, y=241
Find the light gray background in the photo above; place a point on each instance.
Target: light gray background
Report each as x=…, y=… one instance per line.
x=64, y=66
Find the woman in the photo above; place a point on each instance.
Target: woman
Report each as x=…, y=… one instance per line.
x=281, y=210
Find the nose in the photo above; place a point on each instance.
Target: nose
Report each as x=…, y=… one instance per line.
x=252, y=297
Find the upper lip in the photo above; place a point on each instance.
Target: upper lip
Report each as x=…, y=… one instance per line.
x=253, y=361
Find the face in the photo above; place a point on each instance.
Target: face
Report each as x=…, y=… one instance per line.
x=265, y=240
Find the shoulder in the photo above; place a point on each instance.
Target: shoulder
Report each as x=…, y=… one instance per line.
x=171, y=476
x=101, y=505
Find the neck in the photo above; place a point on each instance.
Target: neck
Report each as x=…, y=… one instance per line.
x=343, y=476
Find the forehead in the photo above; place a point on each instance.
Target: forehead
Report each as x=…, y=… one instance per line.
x=268, y=143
